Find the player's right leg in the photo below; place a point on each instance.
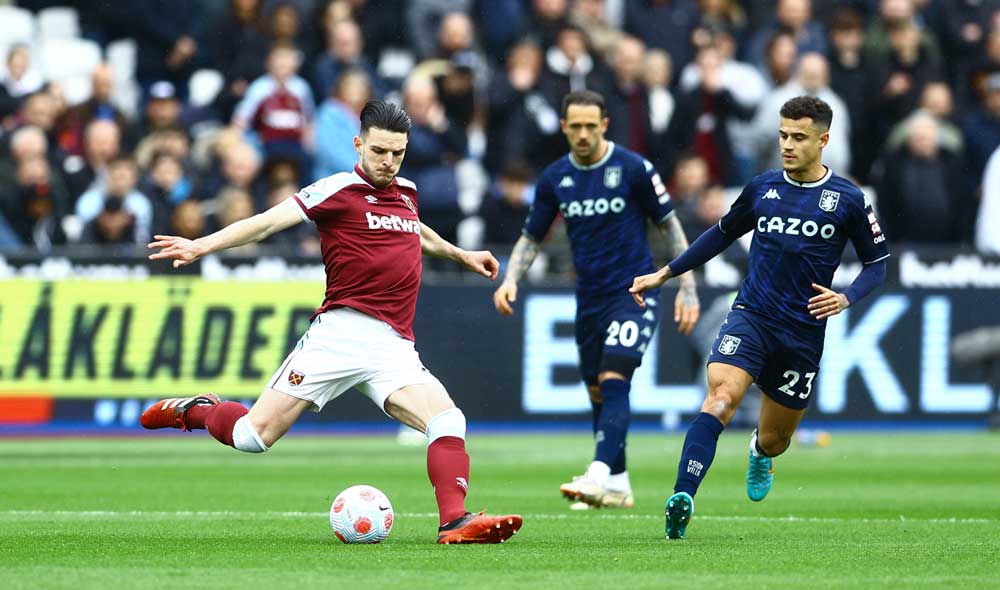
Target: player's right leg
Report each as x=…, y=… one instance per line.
x=775, y=428
x=727, y=384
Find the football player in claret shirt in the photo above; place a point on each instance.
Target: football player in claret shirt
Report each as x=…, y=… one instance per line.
x=362, y=335
x=803, y=216
x=607, y=196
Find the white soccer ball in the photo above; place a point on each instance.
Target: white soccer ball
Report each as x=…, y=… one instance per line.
x=361, y=514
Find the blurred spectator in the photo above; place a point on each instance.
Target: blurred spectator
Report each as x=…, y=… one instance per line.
x=233, y=204
x=972, y=89
x=506, y=207
x=300, y=240
x=627, y=102
x=166, y=186
x=239, y=49
x=748, y=87
x=279, y=107
x=240, y=168
x=988, y=219
x=434, y=146
x=100, y=105
x=26, y=142
x=591, y=17
x=101, y=143
x=519, y=115
x=702, y=115
x=429, y=26
x=547, y=18
x=924, y=195
x=666, y=24
x=172, y=140
x=39, y=109
x=569, y=67
x=936, y=101
x=344, y=51
x=718, y=16
x=961, y=28
x=285, y=26
x=690, y=179
x=188, y=220
x=338, y=121
x=708, y=208
x=812, y=78
x=117, y=213
x=982, y=126
x=163, y=109
x=499, y=23
x=165, y=48
x=847, y=80
x=779, y=61
x=35, y=203
x=793, y=17
x=18, y=78
x=897, y=15
x=657, y=71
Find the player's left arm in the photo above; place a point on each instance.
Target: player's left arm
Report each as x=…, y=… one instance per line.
x=687, y=309
x=479, y=261
x=869, y=242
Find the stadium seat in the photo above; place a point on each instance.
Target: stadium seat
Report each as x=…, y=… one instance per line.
x=470, y=232
x=64, y=58
x=58, y=22
x=121, y=55
x=18, y=26
x=204, y=86
x=76, y=88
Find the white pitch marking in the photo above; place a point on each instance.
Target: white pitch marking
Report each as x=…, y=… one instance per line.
x=274, y=514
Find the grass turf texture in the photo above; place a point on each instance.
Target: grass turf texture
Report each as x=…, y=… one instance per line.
x=870, y=511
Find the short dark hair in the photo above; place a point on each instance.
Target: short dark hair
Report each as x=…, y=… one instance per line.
x=385, y=115
x=801, y=107
x=583, y=97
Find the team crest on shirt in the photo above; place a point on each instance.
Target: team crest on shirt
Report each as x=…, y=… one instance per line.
x=296, y=378
x=409, y=204
x=612, y=176
x=828, y=200
x=729, y=345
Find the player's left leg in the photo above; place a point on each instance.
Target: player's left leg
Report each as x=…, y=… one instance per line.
x=774, y=432
x=427, y=407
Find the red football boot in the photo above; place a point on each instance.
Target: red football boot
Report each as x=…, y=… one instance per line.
x=480, y=528
x=169, y=413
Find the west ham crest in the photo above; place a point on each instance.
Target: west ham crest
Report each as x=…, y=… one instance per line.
x=409, y=204
x=828, y=200
x=295, y=377
x=612, y=176
x=729, y=345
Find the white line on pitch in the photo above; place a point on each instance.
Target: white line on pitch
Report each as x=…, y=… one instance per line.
x=602, y=516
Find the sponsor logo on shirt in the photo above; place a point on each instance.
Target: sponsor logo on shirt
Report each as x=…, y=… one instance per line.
x=591, y=207
x=793, y=226
x=392, y=223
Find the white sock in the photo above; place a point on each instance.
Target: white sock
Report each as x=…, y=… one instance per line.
x=245, y=437
x=619, y=482
x=753, y=445
x=447, y=423
x=599, y=472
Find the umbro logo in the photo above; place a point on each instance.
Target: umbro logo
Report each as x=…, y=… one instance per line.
x=772, y=194
x=566, y=181
x=371, y=199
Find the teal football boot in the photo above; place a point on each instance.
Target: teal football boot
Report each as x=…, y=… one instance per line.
x=678, y=510
x=760, y=475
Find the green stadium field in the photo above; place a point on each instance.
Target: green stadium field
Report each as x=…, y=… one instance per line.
x=879, y=510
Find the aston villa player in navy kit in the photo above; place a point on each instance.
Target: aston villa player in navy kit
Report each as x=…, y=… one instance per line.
x=607, y=195
x=803, y=217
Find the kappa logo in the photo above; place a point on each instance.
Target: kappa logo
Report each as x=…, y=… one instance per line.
x=566, y=182
x=296, y=378
x=772, y=194
x=612, y=176
x=371, y=199
x=729, y=345
x=828, y=200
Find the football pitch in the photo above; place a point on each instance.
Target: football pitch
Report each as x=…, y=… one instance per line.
x=879, y=510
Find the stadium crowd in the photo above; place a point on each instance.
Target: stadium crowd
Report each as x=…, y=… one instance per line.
x=121, y=120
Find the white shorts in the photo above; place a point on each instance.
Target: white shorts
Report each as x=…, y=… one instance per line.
x=344, y=348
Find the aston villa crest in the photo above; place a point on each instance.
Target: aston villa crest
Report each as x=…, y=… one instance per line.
x=828, y=200
x=729, y=345
x=409, y=204
x=612, y=176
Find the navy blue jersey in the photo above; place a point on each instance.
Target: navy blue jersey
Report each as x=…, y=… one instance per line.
x=801, y=231
x=605, y=207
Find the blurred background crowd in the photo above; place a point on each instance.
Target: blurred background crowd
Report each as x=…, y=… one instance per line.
x=125, y=119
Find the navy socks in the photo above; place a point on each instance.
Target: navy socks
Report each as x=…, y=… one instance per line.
x=698, y=452
x=611, y=425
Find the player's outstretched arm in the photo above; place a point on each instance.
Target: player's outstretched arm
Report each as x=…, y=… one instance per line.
x=253, y=229
x=687, y=309
x=521, y=258
x=478, y=261
x=645, y=283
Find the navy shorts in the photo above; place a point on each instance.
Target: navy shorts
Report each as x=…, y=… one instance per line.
x=784, y=360
x=613, y=333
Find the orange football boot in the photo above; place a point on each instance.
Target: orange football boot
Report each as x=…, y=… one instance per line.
x=169, y=413
x=480, y=528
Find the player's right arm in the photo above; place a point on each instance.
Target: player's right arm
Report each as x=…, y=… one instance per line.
x=543, y=213
x=253, y=229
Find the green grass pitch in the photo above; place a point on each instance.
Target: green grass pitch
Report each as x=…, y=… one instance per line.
x=882, y=510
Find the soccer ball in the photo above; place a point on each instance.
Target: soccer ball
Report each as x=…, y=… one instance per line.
x=361, y=514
